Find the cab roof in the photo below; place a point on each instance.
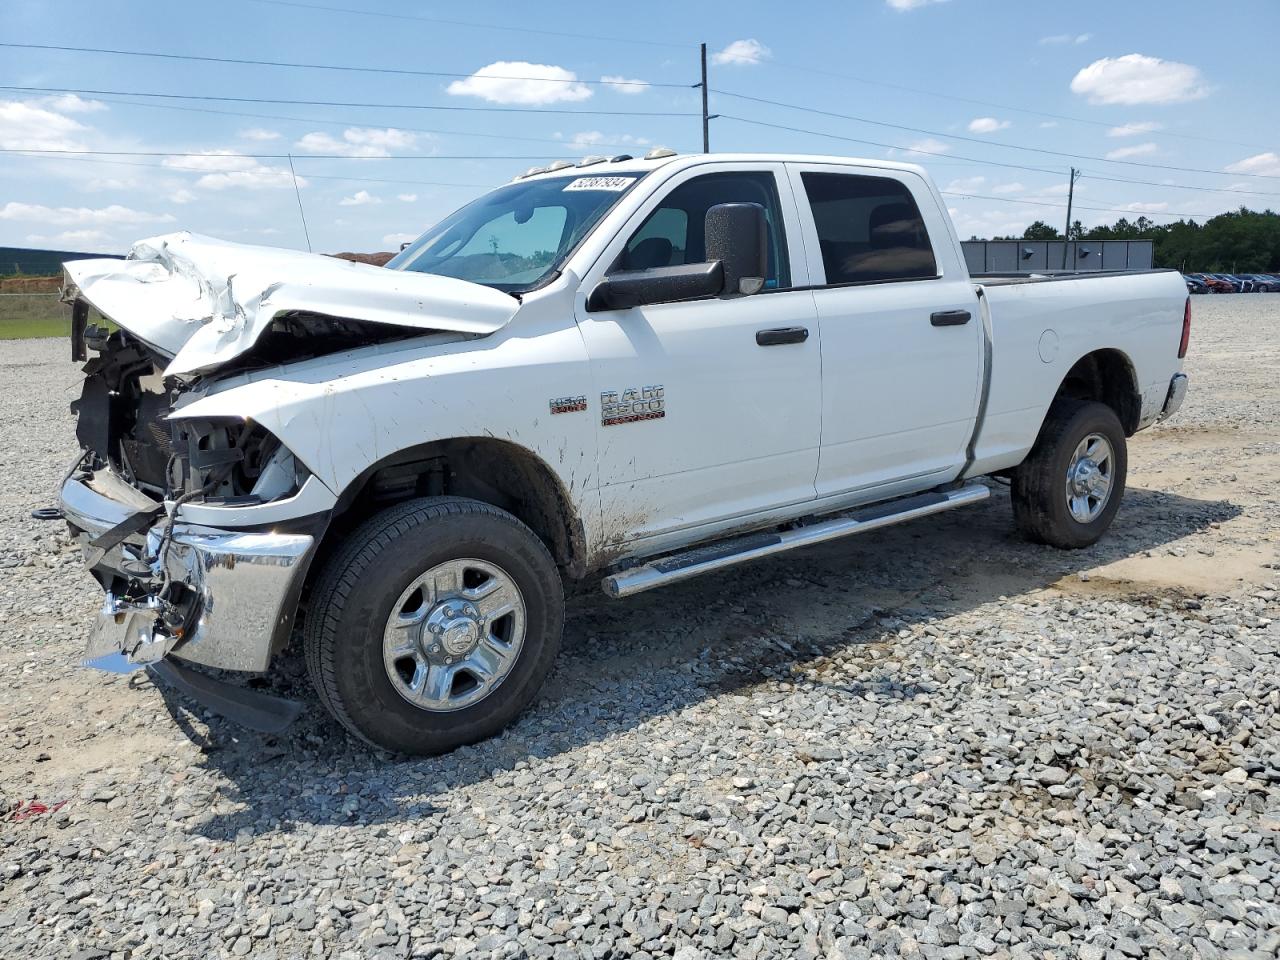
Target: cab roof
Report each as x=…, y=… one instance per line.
x=603, y=166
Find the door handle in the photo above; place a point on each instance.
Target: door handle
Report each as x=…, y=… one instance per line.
x=780, y=335
x=950, y=318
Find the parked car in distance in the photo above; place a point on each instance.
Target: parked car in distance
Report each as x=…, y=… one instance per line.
x=1261, y=283
x=1235, y=284
x=1194, y=283
x=1213, y=283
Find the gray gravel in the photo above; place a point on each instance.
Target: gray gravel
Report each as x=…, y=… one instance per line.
x=935, y=741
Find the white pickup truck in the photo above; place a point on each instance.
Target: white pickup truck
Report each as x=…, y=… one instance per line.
x=637, y=370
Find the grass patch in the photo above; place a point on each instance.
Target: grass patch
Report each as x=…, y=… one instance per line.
x=33, y=315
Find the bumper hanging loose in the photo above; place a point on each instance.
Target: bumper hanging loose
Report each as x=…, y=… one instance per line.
x=215, y=597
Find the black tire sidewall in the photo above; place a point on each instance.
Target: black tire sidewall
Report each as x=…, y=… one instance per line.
x=1088, y=418
x=384, y=570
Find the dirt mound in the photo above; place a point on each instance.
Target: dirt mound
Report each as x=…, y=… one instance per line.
x=30, y=284
x=377, y=259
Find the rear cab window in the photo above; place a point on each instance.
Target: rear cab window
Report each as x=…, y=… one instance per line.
x=869, y=229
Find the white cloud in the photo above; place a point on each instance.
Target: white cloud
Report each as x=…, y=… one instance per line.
x=1134, y=129
x=988, y=125
x=911, y=4
x=539, y=83
x=588, y=139
x=1137, y=150
x=1003, y=189
x=72, y=238
x=1267, y=164
x=24, y=125
x=359, y=142
x=407, y=197
x=625, y=84
x=181, y=195
x=1057, y=38
x=1048, y=124
x=210, y=160
x=69, y=216
x=394, y=240
x=1147, y=207
x=361, y=198
x=741, y=53
x=70, y=103
x=258, y=133
x=99, y=184
x=1135, y=78
x=964, y=185
x=226, y=168
x=922, y=149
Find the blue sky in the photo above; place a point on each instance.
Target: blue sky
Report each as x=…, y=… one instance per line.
x=1161, y=85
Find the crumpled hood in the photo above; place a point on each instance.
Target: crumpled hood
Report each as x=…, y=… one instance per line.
x=205, y=301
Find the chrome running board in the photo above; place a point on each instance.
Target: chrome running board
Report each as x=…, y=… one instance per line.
x=728, y=553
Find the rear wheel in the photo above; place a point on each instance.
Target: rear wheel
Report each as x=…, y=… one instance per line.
x=1067, y=491
x=435, y=626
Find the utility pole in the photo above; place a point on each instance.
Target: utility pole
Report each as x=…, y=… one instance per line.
x=1066, y=234
x=706, y=119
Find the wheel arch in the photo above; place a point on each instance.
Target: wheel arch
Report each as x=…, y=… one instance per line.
x=499, y=472
x=1107, y=376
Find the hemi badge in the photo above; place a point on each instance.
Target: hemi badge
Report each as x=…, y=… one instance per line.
x=568, y=404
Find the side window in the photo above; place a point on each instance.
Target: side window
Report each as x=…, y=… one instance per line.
x=673, y=233
x=869, y=228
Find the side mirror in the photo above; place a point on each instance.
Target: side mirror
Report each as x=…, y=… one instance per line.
x=738, y=236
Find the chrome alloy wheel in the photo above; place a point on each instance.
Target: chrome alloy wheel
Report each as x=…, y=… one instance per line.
x=1089, y=476
x=454, y=635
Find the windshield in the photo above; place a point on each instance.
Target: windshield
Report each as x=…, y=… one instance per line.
x=518, y=236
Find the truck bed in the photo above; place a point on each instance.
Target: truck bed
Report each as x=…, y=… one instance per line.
x=1048, y=276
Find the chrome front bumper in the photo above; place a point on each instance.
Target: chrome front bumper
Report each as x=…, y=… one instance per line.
x=243, y=586
x=1177, y=393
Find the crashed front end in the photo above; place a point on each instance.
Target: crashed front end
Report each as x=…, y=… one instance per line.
x=218, y=596
x=200, y=528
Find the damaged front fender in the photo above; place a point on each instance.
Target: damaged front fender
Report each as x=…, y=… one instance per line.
x=203, y=302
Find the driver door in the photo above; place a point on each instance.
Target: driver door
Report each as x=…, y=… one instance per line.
x=708, y=417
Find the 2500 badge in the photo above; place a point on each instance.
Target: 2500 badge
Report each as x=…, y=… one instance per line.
x=632, y=406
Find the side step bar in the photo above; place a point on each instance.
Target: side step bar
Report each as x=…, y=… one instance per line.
x=700, y=560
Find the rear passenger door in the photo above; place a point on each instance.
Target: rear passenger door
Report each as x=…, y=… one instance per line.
x=900, y=330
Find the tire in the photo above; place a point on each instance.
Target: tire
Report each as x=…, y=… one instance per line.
x=1042, y=499
x=368, y=582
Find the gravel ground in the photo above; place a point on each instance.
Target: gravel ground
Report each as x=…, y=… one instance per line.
x=933, y=741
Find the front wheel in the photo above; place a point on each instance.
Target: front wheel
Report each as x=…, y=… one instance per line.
x=1067, y=491
x=435, y=626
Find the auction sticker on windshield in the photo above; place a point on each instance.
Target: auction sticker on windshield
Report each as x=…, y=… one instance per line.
x=600, y=183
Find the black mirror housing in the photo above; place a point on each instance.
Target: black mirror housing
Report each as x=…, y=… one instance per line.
x=737, y=235
x=635, y=288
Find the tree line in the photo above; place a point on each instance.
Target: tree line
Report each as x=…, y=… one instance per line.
x=1242, y=241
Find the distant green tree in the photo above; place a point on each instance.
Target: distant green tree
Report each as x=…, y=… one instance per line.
x=1040, y=231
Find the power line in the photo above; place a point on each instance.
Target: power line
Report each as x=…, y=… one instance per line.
x=305, y=175
x=983, y=142
x=966, y=159
x=470, y=23
x=1002, y=106
x=347, y=123
x=329, y=66
x=282, y=156
x=1063, y=206
x=340, y=103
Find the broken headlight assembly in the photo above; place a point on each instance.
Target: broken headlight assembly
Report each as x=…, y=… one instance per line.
x=231, y=461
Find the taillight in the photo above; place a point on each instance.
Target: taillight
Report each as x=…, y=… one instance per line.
x=1186, y=330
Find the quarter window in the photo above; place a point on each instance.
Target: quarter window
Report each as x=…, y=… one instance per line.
x=673, y=233
x=869, y=229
